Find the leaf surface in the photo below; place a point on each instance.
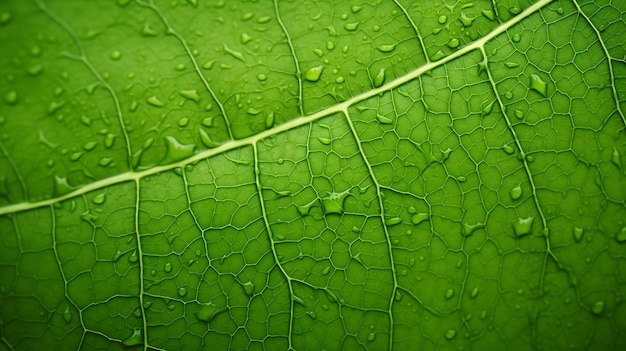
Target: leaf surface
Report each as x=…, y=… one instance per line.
x=308, y=175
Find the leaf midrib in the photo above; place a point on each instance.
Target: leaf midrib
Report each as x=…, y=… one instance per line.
x=294, y=123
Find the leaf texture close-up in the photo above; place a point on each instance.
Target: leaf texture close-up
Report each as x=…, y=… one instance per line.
x=312, y=175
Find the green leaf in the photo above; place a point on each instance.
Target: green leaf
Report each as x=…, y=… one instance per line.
x=308, y=175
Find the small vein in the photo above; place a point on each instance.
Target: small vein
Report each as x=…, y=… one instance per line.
x=273, y=243
x=609, y=59
x=291, y=124
x=183, y=42
x=295, y=58
x=83, y=58
x=417, y=33
x=529, y=175
x=382, y=218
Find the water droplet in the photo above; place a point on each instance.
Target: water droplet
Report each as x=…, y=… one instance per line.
x=419, y=218
x=383, y=119
x=333, y=203
x=67, y=315
x=177, y=151
x=474, y=292
x=264, y=19
x=154, y=101
x=116, y=55
x=578, y=234
x=449, y=294
x=105, y=161
x=621, y=236
x=453, y=43
x=99, y=199
x=438, y=55
x=523, y=226
x=76, y=156
x=236, y=54
x=387, y=47
x=180, y=67
x=182, y=292
x=508, y=95
x=245, y=38
x=393, y=221
x=539, y=85
x=379, y=79
x=262, y=77
x=183, y=122
x=615, y=158
x=515, y=10
x=11, y=97
x=356, y=8
x=269, y=120
x=135, y=339
x=5, y=17
x=516, y=192
x=133, y=257
x=35, y=70
x=511, y=64
x=326, y=270
x=466, y=20
x=168, y=267
x=489, y=14
x=207, y=312
x=351, y=26
x=450, y=334
x=324, y=141
x=313, y=74
x=442, y=19
x=371, y=337
x=253, y=111
x=207, y=122
x=248, y=287
x=190, y=94
x=598, y=307
x=468, y=229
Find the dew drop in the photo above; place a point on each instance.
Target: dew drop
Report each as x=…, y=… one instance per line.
x=313, y=74
x=154, y=101
x=133, y=257
x=168, y=267
x=248, y=287
x=326, y=270
x=245, y=38
x=466, y=20
x=334, y=202
x=177, y=151
x=324, y=141
x=105, y=162
x=386, y=48
x=182, y=292
x=207, y=122
x=516, y=192
x=183, y=122
x=489, y=14
x=379, y=79
x=523, y=225
x=11, y=97
x=442, y=19
x=393, y=221
x=116, y=55
x=454, y=43
x=262, y=77
x=438, y=55
x=578, y=234
x=67, y=315
x=190, y=95
x=474, y=292
x=598, y=307
x=135, y=339
x=383, y=119
x=449, y=294
x=35, y=70
x=351, y=26
x=511, y=64
x=508, y=95
x=180, y=67
x=450, y=334
x=371, y=337
x=419, y=218
x=468, y=229
x=207, y=312
x=621, y=236
x=99, y=199
x=539, y=85
x=269, y=120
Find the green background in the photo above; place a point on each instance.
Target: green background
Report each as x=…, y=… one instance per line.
x=312, y=175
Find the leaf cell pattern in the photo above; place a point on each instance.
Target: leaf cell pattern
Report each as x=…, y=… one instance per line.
x=309, y=175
